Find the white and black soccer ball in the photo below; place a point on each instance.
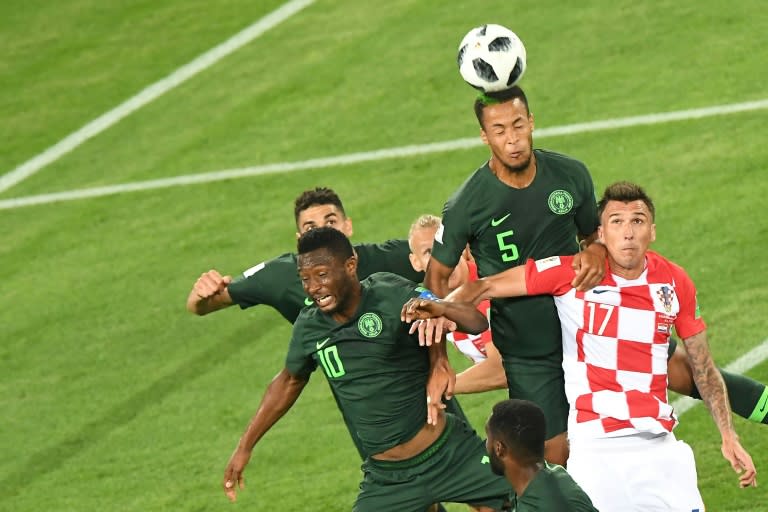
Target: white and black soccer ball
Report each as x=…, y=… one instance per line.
x=491, y=58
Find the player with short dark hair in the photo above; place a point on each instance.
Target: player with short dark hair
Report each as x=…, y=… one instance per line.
x=615, y=342
x=516, y=430
x=522, y=203
x=378, y=372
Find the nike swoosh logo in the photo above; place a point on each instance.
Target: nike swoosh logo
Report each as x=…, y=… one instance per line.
x=600, y=291
x=485, y=460
x=495, y=222
x=321, y=344
x=308, y=301
x=765, y=404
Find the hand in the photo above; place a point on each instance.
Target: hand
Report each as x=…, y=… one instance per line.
x=441, y=382
x=740, y=461
x=210, y=283
x=421, y=309
x=589, y=266
x=233, y=475
x=431, y=330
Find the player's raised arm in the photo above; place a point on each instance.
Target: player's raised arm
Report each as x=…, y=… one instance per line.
x=280, y=395
x=436, y=278
x=713, y=392
x=510, y=283
x=468, y=319
x=209, y=293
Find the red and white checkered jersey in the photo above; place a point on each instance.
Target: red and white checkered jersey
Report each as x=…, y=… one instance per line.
x=473, y=345
x=615, y=340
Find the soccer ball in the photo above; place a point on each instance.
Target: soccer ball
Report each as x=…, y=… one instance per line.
x=491, y=58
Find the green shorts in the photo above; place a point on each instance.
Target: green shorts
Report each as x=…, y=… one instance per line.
x=454, y=469
x=540, y=380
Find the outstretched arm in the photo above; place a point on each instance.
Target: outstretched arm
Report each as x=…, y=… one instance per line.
x=209, y=293
x=436, y=278
x=280, y=395
x=466, y=316
x=714, y=394
x=486, y=375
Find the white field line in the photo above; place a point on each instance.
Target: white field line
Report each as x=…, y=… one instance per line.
x=151, y=93
x=743, y=364
x=381, y=154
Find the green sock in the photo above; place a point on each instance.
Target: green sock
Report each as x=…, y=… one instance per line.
x=749, y=398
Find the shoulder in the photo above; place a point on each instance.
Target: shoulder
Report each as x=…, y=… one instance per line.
x=660, y=266
x=284, y=261
x=475, y=185
x=558, y=162
x=389, y=246
x=388, y=280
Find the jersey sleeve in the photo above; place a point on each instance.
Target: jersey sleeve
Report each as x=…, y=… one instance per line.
x=262, y=283
x=390, y=256
x=688, y=321
x=549, y=276
x=297, y=361
x=586, y=217
x=452, y=236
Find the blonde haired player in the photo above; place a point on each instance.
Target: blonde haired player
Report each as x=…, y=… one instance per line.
x=487, y=372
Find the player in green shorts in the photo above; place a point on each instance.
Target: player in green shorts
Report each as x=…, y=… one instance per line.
x=516, y=432
x=523, y=203
x=531, y=203
x=379, y=374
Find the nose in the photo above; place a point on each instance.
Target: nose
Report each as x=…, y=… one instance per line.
x=629, y=231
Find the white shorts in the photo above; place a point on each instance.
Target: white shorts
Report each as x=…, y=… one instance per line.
x=642, y=472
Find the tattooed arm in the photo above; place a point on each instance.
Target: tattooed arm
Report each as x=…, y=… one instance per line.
x=714, y=393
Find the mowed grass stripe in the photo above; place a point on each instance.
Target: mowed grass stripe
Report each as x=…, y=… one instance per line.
x=151, y=93
x=381, y=154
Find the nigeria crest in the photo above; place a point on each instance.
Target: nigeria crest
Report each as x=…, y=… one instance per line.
x=560, y=202
x=369, y=325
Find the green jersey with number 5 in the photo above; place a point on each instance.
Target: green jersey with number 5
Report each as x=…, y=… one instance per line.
x=505, y=226
x=377, y=370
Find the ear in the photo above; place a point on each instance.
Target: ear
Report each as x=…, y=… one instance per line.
x=298, y=235
x=653, y=232
x=499, y=449
x=600, y=234
x=483, y=136
x=415, y=263
x=530, y=120
x=349, y=231
x=351, y=265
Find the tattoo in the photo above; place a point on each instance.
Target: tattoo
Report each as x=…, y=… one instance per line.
x=709, y=381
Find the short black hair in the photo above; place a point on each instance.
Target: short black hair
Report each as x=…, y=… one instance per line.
x=327, y=238
x=491, y=98
x=521, y=426
x=316, y=197
x=626, y=192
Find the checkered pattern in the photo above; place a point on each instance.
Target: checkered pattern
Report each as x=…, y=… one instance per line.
x=615, y=341
x=473, y=345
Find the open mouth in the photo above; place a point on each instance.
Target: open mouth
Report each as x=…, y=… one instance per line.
x=323, y=301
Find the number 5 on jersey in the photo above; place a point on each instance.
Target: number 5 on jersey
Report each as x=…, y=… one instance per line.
x=508, y=250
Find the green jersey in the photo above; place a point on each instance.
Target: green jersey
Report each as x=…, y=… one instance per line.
x=505, y=226
x=552, y=490
x=377, y=370
x=276, y=282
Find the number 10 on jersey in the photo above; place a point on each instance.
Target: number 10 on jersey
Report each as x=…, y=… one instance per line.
x=329, y=358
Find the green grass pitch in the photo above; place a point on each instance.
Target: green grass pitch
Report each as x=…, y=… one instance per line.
x=115, y=398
